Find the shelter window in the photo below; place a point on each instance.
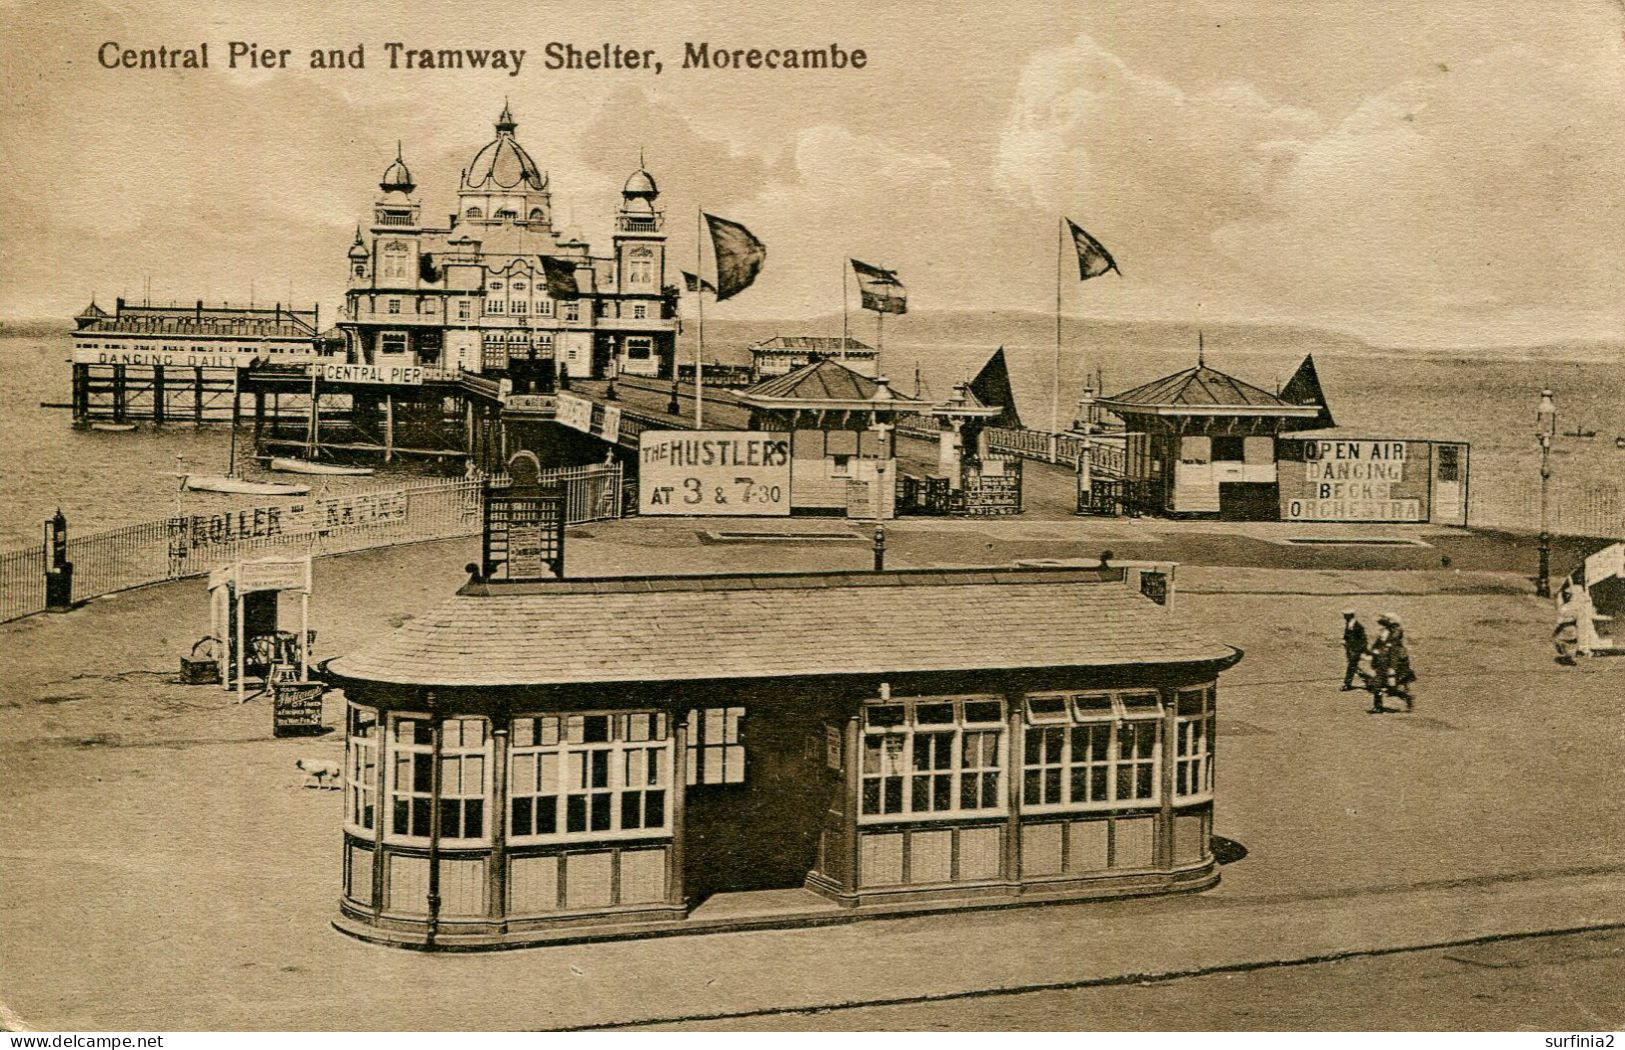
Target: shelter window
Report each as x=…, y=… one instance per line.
x=1229, y=448
x=640, y=311
x=473, y=213
x=716, y=750
x=465, y=750
x=1194, y=724
x=589, y=775
x=392, y=343
x=394, y=306
x=1449, y=463
x=638, y=349
x=361, y=768
x=494, y=306
x=932, y=757
x=1091, y=750
x=840, y=466
x=520, y=305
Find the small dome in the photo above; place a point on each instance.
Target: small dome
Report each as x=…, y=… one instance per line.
x=358, y=250
x=396, y=176
x=502, y=162
x=641, y=184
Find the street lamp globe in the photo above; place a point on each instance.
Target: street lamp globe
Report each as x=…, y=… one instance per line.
x=1546, y=417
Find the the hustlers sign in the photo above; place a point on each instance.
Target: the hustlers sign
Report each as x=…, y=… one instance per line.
x=1353, y=480
x=699, y=472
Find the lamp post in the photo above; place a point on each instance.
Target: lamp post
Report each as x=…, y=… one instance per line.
x=1545, y=430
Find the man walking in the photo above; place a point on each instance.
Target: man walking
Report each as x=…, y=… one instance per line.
x=1354, y=646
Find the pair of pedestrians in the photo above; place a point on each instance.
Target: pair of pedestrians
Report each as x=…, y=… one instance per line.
x=1390, y=672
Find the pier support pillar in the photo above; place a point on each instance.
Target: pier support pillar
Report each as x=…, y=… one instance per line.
x=197, y=396
x=81, y=392
x=118, y=393
x=389, y=427
x=158, y=394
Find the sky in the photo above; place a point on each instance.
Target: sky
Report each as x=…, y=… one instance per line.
x=1440, y=174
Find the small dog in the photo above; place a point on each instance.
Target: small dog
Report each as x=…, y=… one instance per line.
x=320, y=774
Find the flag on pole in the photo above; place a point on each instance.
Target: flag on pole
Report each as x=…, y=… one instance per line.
x=739, y=256
x=695, y=283
x=561, y=277
x=1093, y=258
x=1304, y=389
x=882, y=292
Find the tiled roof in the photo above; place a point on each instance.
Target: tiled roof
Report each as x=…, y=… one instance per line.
x=822, y=380
x=676, y=628
x=829, y=343
x=1200, y=385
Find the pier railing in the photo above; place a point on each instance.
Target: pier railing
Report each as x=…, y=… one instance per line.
x=185, y=546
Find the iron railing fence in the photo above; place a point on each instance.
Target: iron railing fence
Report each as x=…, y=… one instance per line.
x=191, y=545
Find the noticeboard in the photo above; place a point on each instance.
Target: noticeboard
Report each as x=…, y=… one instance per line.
x=296, y=708
x=524, y=533
x=1324, y=479
x=713, y=472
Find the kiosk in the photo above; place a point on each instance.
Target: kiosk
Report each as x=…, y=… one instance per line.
x=244, y=615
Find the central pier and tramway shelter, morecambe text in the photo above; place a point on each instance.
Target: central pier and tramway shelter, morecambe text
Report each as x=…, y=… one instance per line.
x=555, y=56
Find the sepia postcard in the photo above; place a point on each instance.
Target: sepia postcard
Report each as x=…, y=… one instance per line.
x=856, y=517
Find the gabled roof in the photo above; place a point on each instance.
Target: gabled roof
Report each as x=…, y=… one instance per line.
x=1200, y=390
x=93, y=311
x=684, y=628
x=826, y=343
x=825, y=383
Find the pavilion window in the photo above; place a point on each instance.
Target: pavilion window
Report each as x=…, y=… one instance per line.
x=575, y=776
x=544, y=308
x=1194, y=724
x=931, y=757
x=361, y=768
x=465, y=749
x=716, y=752
x=572, y=311
x=1229, y=448
x=1090, y=750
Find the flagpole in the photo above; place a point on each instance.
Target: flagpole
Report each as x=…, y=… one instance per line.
x=699, y=342
x=844, y=308
x=1055, y=391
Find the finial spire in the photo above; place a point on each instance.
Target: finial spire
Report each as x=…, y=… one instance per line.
x=1200, y=355
x=641, y=164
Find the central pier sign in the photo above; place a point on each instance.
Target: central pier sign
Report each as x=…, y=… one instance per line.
x=704, y=472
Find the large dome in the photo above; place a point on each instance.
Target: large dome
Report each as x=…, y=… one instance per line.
x=503, y=164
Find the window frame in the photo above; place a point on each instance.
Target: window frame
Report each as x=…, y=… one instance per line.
x=1240, y=444
x=701, y=743
x=624, y=756
x=458, y=753
x=362, y=754
x=1067, y=771
x=924, y=740
x=1194, y=765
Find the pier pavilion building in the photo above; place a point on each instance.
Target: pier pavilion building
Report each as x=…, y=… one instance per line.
x=475, y=293
x=581, y=758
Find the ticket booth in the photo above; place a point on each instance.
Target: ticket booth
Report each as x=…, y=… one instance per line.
x=246, y=614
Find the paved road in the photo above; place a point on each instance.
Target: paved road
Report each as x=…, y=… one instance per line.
x=1564, y=983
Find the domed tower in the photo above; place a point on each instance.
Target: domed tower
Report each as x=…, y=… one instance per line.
x=395, y=206
x=640, y=240
x=360, y=258
x=503, y=185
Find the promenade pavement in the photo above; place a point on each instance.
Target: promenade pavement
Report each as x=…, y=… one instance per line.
x=163, y=866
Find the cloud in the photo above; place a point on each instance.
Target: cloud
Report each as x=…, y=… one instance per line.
x=1477, y=199
x=1461, y=203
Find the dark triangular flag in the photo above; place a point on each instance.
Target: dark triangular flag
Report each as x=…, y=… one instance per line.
x=561, y=277
x=1093, y=258
x=695, y=283
x=1304, y=389
x=881, y=291
x=739, y=256
x=992, y=387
